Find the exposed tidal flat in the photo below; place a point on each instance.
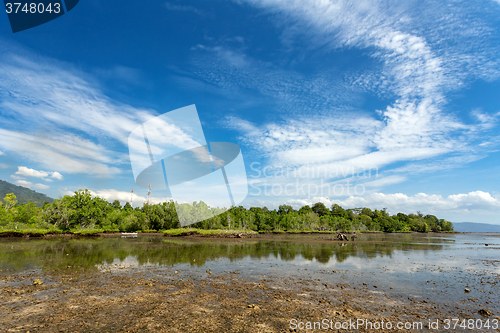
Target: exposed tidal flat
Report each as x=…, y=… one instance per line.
x=250, y=284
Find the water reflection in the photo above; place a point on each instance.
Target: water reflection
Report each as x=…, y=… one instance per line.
x=49, y=254
x=424, y=266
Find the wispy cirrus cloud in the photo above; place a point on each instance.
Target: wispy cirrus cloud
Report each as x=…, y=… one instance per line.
x=291, y=92
x=64, y=152
x=59, y=118
x=42, y=94
x=422, y=53
x=184, y=8
x=415, y=68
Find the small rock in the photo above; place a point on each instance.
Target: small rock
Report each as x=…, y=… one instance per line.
x=334, y=271
x=37, y=282
x=176, y=272
x=365, y=284
x=253, y=306
x=485, y=313
x=485, y=244
x=375, y=287
x=467, y=290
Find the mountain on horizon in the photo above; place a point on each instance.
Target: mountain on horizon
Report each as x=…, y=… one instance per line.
x=475, y=227
x=23, y=194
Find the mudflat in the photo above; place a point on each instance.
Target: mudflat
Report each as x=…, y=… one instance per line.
x=258, y=285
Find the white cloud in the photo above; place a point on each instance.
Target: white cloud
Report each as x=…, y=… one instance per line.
x=58, y=117
x=441, y=164
x=385, y=181
x=1, y=153
x=28, y=184
x=24, y=183
x=429, y=203
x=40, y=186
x=66, y=152
x=111, y=195
x=3, y=166
x=123, y=75
x=291, y=92
x=341, y=143
x=43, y=94
x=181, y=8
x=56, y=175
x=487, y=121
x=65, y=115
x=27, y=172
x=413, y=66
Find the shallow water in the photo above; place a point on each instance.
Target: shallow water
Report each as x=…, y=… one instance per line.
x=437, y=267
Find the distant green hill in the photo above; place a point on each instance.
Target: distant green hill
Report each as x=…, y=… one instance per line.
x=23, y=194
x=475, y=227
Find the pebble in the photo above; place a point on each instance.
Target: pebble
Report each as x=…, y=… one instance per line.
x=485, y=313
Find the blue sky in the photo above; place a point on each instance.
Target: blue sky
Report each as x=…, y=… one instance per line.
x=365, y=103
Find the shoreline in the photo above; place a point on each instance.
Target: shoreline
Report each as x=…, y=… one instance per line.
x=17, y=234
x=191, y=232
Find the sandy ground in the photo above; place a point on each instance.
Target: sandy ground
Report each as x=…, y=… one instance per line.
x=165, y=300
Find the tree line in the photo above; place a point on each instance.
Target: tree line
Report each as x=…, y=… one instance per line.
x=82, y=211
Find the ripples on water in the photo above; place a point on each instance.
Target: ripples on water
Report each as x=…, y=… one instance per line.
x=411, y=264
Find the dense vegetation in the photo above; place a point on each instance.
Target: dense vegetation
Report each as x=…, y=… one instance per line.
x=82, y=212
x=23, y=194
